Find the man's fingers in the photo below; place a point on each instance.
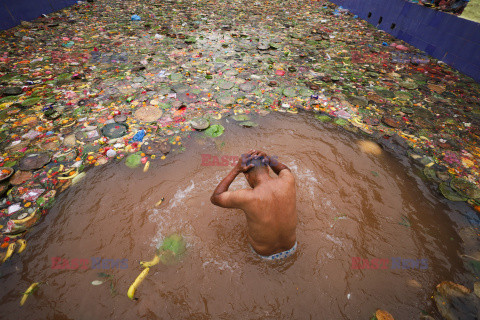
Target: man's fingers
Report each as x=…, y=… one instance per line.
x=260, y=153
x=247, y=155
x=244, y=157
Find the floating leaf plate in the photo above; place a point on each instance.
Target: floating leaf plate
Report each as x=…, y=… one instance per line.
x=215, y=130
x=449, y=193
x=465, y=188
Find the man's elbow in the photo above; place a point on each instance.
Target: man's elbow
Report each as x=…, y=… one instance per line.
x=214, y=200
x=218, y=200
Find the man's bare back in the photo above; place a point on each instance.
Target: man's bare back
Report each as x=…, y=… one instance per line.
x=270, y=206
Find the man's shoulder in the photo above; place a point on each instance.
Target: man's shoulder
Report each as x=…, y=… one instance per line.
x=286, y=174
x=246, y=195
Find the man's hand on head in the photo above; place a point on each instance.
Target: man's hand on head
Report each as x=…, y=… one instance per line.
x=257, y=154
x=241, y=166
x=268, y=160
x=271, y=161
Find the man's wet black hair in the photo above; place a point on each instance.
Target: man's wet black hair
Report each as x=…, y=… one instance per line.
x=257, y=163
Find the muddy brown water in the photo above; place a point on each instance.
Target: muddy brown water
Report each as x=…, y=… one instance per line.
x=350, y=204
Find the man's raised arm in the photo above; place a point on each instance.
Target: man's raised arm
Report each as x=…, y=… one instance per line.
x=227, y=199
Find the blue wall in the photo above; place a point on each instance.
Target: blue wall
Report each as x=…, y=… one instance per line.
x=12, y=12
x=446, y=37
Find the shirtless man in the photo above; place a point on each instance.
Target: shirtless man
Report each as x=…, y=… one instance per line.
x=270, y=206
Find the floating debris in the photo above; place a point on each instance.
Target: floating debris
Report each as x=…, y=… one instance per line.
x=215, y=130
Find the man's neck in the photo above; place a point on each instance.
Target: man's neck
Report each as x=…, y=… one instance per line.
x=261, y=178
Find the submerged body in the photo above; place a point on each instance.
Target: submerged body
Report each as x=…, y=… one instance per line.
x=269, y=206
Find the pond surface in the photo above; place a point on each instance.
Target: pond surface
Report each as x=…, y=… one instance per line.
x=351, y=204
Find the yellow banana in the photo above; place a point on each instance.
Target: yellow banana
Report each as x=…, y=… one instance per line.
x=23, y=244
x=10, y=250
x=69, y=177
x=409, y=136
x=159, y=202
x=24, y=220
x=136, y=283
x=147, y=165
x=29, y=291
x=63, y=173
x=151, y=263
x=356, y=122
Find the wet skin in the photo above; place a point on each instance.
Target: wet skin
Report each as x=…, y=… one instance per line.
x=269, y=206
